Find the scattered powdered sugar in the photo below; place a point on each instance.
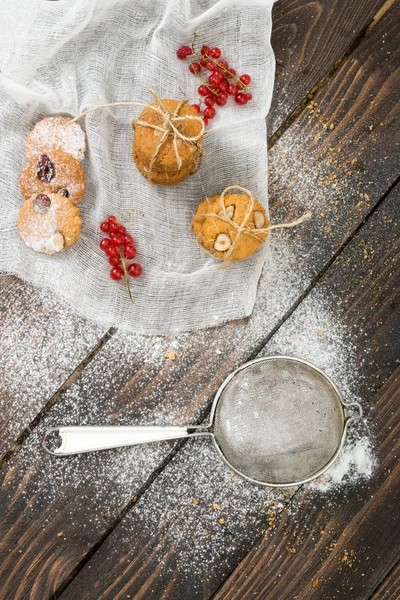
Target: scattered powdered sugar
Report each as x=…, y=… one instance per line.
x=356, y=462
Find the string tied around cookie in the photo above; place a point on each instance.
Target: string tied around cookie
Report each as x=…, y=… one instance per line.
x=170, y=126
x=244, y=228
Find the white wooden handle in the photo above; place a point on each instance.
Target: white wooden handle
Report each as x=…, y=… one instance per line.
x=75, y=440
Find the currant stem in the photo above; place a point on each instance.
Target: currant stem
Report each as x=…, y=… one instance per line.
x=128, y=287
x=128, y=212
x=206, y=84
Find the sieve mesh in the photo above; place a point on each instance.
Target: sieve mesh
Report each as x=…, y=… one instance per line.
x=279, y=421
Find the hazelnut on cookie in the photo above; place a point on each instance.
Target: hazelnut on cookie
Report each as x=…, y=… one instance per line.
x=230, y=226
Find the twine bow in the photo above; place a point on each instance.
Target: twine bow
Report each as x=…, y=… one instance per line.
x=243, y=228
x=169, y=126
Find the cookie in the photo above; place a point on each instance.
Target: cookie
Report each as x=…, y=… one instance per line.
x=53, y=172
x=49, y=223
x=221, y=238
x=146, y=143
x=56, y=133
x=163, y=177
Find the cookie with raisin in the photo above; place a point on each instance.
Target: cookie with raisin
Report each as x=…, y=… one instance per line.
x=49, y=223
x=54, y=172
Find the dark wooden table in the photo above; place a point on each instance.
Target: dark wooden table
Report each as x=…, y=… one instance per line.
x=169, y=520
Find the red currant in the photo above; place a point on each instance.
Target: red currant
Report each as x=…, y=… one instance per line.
x=116, y=273
x=222, y=99
x=215, y=52
x=203, y=90
x=219, y=74
x=118, y=239
x=240, y=98
x=135, y=270
x=105, y=226
x=203, y=62
x=205, y=121
x=232, y=89
x=205, y=50
x=114, y=261
x=128, y=240
x=222, y=64
x=195, y=68
x=114, y=228
x=122, y=229
x=111, y=251
x=249, y=97
x=112, y=219
x=183, y=52
x=196, y=107
x=104, y=244
x=209, y=100
x=129, y=251
x=209, y=112
x=210, y=65
x=231, y=73
x=213, y=79
x=245, y=79
x=223, y=86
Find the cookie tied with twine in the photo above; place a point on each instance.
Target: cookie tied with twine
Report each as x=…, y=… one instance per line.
x=232, y=226
x=168, y=140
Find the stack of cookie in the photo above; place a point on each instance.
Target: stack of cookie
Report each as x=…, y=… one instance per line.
x=52, y=184
x=168, y=141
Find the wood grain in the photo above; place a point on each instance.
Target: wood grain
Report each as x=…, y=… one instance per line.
x=42, y=498
x=390, y=586
x=160, y=549
x=41, y=343
x=309, y=38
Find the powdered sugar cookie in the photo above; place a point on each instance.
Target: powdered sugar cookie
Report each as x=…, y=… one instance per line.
x=54, y=172
x=56, y=133
x=49, y=223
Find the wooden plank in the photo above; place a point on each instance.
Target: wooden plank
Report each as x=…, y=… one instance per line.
x=337, y=554
x=72, y=335
x=309, y=38
x=42, y=342
x=389, y=589
x=43, y=497
x=173, y=543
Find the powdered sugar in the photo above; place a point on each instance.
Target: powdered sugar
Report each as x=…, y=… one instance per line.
x=56, y=133
x=356, y=462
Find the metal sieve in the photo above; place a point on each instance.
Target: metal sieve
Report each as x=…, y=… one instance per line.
x=276, y=421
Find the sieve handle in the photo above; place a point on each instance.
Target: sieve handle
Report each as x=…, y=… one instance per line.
x=75, y=440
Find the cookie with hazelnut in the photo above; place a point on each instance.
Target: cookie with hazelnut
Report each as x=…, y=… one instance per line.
x=54, y=172
x=230, y=226
x=49, y=223
x=56, y=133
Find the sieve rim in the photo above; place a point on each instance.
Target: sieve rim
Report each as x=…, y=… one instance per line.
x=343, y=406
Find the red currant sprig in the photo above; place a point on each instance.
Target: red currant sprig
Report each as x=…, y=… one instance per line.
x=221, y=83
x=118, y=247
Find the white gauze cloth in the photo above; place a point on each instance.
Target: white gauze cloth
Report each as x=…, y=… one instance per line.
x=66, y=56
